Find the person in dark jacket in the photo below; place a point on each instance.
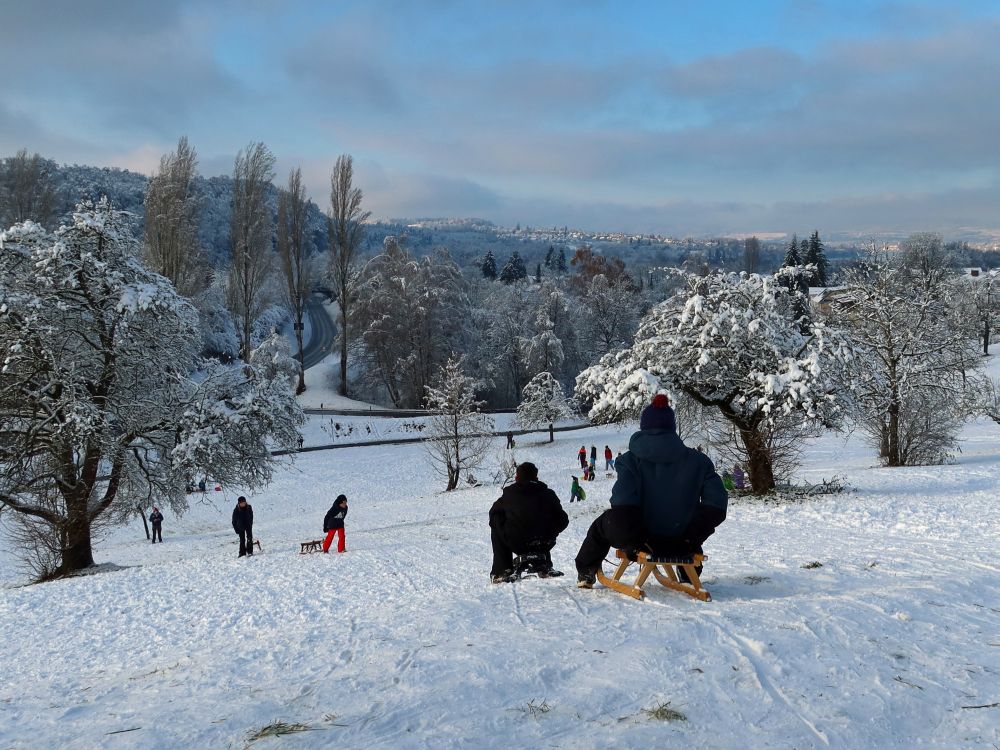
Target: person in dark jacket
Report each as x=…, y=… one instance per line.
x=333, y=523
x=243, y=525
x=156, y=518
x=525, y=520
x=593, y=455
x=668, y=498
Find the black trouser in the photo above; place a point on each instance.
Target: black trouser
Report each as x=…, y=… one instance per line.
x=157, y=532
x=505, y=546
x=622, y=528
x=246, y=541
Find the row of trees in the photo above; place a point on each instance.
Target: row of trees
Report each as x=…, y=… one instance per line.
x=256, y=277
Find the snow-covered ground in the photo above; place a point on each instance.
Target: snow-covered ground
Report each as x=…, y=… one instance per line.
x=402, y=642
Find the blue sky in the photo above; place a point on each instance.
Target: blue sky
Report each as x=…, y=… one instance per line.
x=675, y=117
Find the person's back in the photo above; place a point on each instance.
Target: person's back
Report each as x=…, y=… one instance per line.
x=531, y=510
x=667, y=498
x=526, y=518
x=666, y=479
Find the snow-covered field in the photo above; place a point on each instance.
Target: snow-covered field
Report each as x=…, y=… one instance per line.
x=402, y=642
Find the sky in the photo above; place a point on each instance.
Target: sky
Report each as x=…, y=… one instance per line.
x=670, y=117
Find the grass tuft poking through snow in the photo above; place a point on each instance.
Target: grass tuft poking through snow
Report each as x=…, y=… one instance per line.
x=663, y=712
x=277, y=729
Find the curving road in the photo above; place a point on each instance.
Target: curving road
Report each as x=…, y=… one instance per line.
x=324, y=333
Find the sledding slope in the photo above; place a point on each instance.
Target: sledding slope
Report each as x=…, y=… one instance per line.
x=401, y=642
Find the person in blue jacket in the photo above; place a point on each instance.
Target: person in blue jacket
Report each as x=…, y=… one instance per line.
x=667, y=499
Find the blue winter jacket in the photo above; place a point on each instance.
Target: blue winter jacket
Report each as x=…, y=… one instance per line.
x=676, y=486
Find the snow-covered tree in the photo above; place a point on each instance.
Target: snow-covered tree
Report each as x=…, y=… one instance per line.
x=27, y=189
x=792, y=256
x=916, y=372
x=346, y=230
x=297, y=270
x=170, y=221
x=729, y=342
x=251, y=235
x=514, y=269
x=543, y=402
x=489, y=266
x=544, y=350
x=411, y=314
x=99, y=410
x=458, y=433
x=611, y=308
x=814, y=255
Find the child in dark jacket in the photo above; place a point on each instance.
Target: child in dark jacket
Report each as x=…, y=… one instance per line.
x=333, y=523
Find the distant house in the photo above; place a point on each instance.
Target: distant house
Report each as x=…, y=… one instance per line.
x=973, y=273
x=824, y=300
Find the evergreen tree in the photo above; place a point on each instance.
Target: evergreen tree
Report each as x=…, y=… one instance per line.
x=792, y=257
x=548, y=257
x=538, y=273
x=561, y=266
x=489, y=266
x=514, y=270
x=814, y=255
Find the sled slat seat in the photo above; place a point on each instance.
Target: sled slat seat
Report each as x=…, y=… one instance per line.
x=665, y=569
x=309, y=547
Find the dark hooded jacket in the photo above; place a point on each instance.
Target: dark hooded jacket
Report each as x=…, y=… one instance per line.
x=334, y=518
x=677, y=488
x=528, y=510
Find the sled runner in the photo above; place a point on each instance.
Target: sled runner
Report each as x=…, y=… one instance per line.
x=669, y=571
x=310, y=547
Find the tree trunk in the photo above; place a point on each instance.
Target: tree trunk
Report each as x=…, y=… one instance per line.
x=301, y=387
x=142, y=514
x=78, y=553
x=892, y=452
x=759, y=464
x=552, y=436
x=986, y=337
x=343, y=348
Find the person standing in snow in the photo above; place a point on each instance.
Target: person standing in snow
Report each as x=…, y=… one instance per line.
x=525, y=520
x=667, y=500
x=156, y=518
x=582, y=455
x=510, y=439
x=593, y=455
x=609, y=462
x=333, y=523
x=576, y=491
x=739, y=478
x=243, y=525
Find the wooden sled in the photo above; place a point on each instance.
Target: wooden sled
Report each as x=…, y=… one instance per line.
x=663, y=569
x=310, y=547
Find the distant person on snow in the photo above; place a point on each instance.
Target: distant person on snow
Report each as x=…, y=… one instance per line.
x=576, y=491
x=526, y=521
x=739, y=478
x=510, y=439
x=333, y=523
x=667, y=500
x=302, y=440
x=156, y=518
x=593, y=455
x=243, y=525
x=609, y=461
x=582, y=455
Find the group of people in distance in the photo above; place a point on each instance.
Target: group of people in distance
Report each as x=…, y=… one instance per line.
x=667, y=500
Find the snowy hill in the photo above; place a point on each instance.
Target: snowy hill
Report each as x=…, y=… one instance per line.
x=402, y=642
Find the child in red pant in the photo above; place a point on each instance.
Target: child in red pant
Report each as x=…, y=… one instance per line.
x=333, y=523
